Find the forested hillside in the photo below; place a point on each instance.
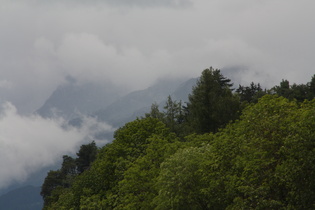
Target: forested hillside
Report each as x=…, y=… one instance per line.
x=244, y=148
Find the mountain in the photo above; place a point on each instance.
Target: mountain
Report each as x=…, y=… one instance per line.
x=24, y=198
x=108, y=103
x=71, y=99
x=183, y=90
x=137, y=103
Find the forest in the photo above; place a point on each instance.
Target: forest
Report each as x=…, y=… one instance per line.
x=226, y=148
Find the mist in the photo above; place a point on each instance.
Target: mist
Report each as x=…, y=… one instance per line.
x=30, y=143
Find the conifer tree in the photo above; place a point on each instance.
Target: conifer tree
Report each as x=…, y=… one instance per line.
x=212, y=103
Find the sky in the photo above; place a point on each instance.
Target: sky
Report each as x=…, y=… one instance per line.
x=132, y=43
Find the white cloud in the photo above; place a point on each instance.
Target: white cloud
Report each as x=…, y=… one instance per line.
x=30, y=143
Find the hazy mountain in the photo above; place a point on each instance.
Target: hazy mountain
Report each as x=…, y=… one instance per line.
x=180, y=94
x=107, y=103
x=24, y=198
x=137, y=103
x=71, y=99
x=183, y=90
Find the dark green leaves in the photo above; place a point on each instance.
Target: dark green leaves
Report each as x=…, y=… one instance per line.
x=211, y=105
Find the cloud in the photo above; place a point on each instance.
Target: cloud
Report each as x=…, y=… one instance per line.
x=87, y=58
x=30, y=143
x=150, y=3
x=122, y=3
x=5, y=84
x=132, y=43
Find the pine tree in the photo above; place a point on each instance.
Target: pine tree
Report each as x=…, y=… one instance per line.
x=212, y=103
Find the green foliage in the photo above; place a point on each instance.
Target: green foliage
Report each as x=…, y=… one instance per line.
x=262, y=131
x=137, y=189
x=68, y=167
x=174, y=115
x=120, y=160
x=273, y=136
x=52, y=181
x=250, y=94
x=299, y=92
x=86, y=156
x=180, y=181
x=212, y=105
x=311, y=86
x=155, y=112
x=263, y=161
x=57, y=182
x=62, y=199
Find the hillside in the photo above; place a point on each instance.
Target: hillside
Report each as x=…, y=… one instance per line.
x=24, y=198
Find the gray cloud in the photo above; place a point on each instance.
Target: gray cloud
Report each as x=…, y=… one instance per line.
x=121, y=3
x=42, y=43
x=28, y=144
x=150, y=3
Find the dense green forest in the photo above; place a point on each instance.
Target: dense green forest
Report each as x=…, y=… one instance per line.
x=243, y=148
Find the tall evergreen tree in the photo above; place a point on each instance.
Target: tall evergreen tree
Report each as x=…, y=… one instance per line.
x=155, y=112
x=251, y=93
x=299, y=92
x=284, y=89
x=173, y=115
x=311, y=86
x=212, y=103
x=58, y=180
x=86, y=156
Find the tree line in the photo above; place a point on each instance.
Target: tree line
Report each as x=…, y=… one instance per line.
x=244, y=148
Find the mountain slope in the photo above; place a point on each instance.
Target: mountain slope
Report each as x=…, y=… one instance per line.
x=106, y=103
x=182, y=92
x=70, y=99
x=24, y=198
x=137, y=103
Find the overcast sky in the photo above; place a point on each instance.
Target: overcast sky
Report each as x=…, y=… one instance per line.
x=132, y=43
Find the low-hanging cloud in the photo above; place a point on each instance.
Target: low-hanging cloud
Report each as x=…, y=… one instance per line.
x=30, y=143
